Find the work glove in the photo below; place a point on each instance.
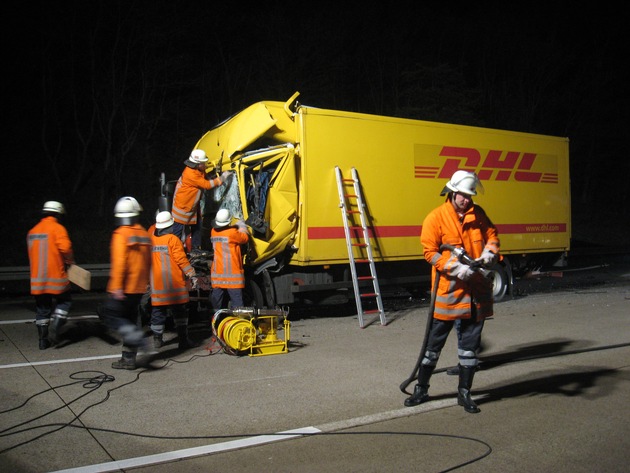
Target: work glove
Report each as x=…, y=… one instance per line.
x=487, y=258
x=463, y=272
x=194, y=282
x=224, y=176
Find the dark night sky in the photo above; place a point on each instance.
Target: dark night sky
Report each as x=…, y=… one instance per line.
x=544, y=67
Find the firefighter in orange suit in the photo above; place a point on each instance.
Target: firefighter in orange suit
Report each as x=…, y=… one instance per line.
x=462, y=293
x=50, y=253
x=169, y=269
x=227, y=274
x=130, y=269
x=188, y=192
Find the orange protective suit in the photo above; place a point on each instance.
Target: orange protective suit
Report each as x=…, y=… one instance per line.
x=474, y=233
x=227, y=267
x=169, y=264
x=49, y=252
x=188, y=194
x=130, y=250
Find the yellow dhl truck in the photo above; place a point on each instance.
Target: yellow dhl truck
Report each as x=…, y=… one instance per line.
x=285, y=186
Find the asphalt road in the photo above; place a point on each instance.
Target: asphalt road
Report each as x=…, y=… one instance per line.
x=552, y=389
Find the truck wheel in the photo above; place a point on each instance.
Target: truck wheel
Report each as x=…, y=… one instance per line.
x=252, y=295
x=270, y=295
x=500, y=282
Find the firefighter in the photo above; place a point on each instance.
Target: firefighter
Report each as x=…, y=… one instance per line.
x=189, y=189
x=130, y=267
x=50, y=253
x=169, y=269
x=227, y=274
x=462, y=293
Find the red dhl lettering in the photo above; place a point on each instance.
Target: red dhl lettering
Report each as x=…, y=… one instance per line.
x=489, y=165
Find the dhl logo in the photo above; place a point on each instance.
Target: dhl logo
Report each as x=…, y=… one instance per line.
x=488, y=164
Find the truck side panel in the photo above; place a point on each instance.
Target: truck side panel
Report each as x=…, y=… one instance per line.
x=403, y=166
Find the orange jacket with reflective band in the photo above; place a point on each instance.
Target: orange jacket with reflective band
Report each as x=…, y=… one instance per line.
x=227, y=267
x=188, y=194
x=169, y=264
x=49, y=251
x=474, y=233
x=130, y=250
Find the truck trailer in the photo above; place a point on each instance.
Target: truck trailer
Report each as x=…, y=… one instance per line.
x=285, y=157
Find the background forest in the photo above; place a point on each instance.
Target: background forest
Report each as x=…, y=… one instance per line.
x=103, y=96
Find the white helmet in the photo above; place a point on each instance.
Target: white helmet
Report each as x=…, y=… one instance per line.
x=127, y=207
x=54, y=206
x=223, y=218
x=463, y=182
x=198, y=156
x=164, y=220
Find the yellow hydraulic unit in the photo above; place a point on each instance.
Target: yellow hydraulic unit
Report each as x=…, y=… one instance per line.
x=252, y=331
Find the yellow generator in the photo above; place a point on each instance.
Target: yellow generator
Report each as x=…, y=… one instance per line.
x=252, y=331
x=285, y=158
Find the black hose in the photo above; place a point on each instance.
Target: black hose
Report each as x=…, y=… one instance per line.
x=416, y=368
x=427, y=330
x=476, y=267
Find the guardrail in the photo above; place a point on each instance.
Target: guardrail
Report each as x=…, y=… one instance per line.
x=23, y=273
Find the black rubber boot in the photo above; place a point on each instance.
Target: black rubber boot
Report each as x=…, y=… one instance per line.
x=184, y=341
x=56, y=323
x=421, y=390
x=126, y=362
x=466, y=375
x=44, y=343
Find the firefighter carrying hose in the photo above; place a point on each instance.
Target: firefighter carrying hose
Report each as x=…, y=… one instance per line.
x=462, y=292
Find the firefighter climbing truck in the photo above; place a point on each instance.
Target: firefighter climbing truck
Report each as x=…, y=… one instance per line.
x=285, y=156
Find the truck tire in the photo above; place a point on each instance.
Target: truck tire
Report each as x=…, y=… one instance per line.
x=252, y=295
x=270, y=294
x=500, y=282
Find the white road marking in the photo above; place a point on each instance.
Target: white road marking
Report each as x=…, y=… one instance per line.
x=32, y=321
x=191, y=452
x=54, y=362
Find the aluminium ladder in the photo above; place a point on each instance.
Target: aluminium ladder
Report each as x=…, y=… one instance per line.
x=358, y=241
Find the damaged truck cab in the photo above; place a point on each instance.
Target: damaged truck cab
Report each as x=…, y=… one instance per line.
x=284, y=155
